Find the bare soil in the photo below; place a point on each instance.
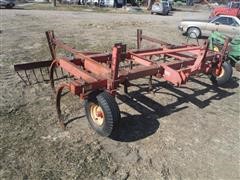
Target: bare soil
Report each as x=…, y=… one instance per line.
x=191, y=132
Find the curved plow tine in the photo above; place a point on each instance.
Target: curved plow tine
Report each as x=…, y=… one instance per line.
x=62, y=72
x=56, y=74
x=58, y=105
x=30, y=73
x=150, y=86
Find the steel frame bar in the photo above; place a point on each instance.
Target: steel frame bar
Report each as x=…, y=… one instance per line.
x=76, y=71
x=141, y=60
x=93, y=70
x=167, y=51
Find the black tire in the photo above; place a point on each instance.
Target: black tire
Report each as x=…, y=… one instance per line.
x=225, y=75
x=194, y=31
x=110, y=110
x=166, y=13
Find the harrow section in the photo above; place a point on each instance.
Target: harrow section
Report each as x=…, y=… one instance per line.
x=95, y=77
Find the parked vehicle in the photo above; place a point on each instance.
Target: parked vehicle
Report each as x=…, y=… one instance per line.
x=229, y=25
x=232, y=9
x=170, y=4
x=7, y=3
x=160, y=8
x=185, y=1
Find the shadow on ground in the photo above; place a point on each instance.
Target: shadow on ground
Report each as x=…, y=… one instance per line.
x=146, y=122
x=186, y=9
x=136, y=127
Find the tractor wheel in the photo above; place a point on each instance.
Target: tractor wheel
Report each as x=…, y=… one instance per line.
x=102, y=113
x=194, y=32
x=225, y=75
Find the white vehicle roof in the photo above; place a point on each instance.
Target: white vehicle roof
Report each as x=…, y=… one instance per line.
x=234, y=17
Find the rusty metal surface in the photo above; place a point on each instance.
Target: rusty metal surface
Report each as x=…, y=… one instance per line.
x=92, y=67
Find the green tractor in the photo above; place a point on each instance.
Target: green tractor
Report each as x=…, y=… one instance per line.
x=216, y=42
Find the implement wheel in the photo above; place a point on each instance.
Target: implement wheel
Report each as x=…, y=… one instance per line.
x=102, y=113
x=224, y=76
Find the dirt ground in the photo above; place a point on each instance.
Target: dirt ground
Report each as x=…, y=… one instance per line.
x=191, y=132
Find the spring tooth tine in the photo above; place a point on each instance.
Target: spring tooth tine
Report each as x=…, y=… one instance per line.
x=48, y=72
x=150, y=87
x=62, y=71
x=22, y=78
x=55, y=71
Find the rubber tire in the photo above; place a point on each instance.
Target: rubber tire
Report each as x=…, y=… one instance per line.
x=111, y=113
x=166, y=13
x=225, y=77
x=194, y=28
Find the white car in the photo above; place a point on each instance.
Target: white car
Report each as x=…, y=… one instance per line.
x=160, y=8
x=229, y=25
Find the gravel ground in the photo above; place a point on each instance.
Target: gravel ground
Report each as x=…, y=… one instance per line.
x=191, y=132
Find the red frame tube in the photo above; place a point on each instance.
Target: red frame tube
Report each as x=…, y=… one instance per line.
x=102, y=71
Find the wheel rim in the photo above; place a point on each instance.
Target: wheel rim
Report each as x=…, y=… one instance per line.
x=194, y=33
x=221, y=72
x=216, y=49
x=97, y=114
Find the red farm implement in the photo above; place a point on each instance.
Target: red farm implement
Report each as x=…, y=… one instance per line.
x=95, y=77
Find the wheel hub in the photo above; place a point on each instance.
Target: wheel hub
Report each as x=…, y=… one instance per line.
x=97, y=114
x=221, y=72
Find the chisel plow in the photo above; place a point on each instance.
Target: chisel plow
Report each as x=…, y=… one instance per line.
x=95, y=77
